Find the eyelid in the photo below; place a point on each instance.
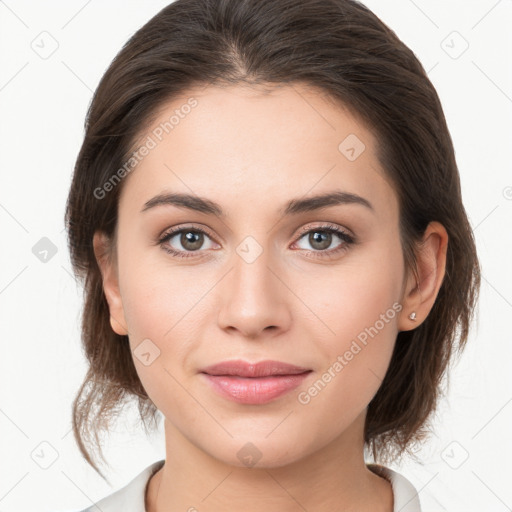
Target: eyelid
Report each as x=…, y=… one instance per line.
x=192, y=227
x=326, y=225
x=304, y=229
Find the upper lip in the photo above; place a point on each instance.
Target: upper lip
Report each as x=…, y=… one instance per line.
x=260, y=369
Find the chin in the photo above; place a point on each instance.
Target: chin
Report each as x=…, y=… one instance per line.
x=258, y=452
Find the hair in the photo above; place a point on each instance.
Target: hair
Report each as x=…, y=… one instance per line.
x=344, y=51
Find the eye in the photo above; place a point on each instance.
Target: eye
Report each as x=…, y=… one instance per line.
x=191, y=240
x=322, y=237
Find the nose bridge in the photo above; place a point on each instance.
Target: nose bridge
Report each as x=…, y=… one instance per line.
x=252, y=275
x=251, y=295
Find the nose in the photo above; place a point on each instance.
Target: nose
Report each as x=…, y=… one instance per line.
x=254, y=298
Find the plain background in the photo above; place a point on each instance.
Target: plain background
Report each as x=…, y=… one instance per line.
x=466, y=47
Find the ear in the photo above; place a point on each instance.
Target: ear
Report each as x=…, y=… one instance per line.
x=420, y=295
x=105, y=257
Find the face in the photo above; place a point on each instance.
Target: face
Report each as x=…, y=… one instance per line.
x=256, y=271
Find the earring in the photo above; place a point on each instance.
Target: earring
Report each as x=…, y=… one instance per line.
x=412, y=316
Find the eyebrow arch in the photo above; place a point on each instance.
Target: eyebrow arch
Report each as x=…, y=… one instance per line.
x=320, y=201
x=293, y=207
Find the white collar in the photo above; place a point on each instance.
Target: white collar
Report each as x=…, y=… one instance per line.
x=404, y=493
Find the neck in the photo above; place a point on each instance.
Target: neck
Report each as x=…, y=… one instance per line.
x=333, y=478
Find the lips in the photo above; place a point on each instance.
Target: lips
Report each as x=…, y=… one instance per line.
x=254, y=383
x=241, y=368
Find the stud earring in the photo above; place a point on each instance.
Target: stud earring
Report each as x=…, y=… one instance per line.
x=412, y=316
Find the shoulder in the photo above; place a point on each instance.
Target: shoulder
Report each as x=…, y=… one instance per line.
x=405, y=495
x=129, y=498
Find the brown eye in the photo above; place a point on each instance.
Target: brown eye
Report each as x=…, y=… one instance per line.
x=191, y=240
x=179, y=242
x=321, y=238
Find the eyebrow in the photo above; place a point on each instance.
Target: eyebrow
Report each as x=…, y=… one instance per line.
x=293, y=207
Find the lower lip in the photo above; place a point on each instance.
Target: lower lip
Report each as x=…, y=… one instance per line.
x=254, y=390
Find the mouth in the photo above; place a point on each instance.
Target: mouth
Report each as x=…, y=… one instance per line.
x=254, y=383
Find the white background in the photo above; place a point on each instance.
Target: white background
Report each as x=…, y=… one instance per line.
x=43, y=104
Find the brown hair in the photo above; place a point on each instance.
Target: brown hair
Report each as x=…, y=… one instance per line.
x=343, y=50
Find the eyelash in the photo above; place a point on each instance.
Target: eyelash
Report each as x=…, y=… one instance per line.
x=330, y=228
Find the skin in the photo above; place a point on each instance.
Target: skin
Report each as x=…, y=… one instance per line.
x=251, y=152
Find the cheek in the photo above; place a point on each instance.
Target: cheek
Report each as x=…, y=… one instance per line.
x=168, y=306
x=156, y=296
x=169, y=311
x=352, y=296
x=362, y=315
x=161, y=309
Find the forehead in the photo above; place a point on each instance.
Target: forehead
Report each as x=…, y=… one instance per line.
x=237, y=144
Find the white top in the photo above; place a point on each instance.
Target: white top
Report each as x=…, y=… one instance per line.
x=130, y=498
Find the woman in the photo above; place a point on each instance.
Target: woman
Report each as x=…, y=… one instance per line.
x=266, y=213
